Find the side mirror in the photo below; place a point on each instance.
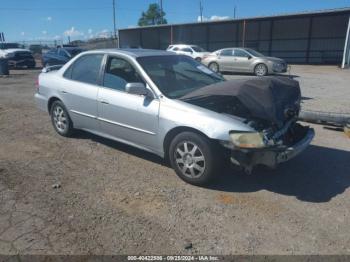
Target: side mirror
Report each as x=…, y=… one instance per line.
x=137, y=89
x=249, y=57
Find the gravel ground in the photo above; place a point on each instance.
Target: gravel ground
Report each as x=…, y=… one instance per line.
x=324, y=88
x=88, y=195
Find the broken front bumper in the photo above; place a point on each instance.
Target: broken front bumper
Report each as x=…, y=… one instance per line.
x=271, y=157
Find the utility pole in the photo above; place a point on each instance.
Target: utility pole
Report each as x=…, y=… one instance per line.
x=201, y=10
x=114, y=27
x=161, y=12
x=234, y=12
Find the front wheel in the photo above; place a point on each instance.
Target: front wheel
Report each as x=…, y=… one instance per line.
x=193, y=158
x=60, y=119
x=214, y=67
x=260, y=70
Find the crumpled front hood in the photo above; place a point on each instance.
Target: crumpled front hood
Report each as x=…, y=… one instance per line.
x=273, y=99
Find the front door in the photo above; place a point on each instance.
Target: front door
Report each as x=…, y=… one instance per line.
x=241, y=60
x=127, y=117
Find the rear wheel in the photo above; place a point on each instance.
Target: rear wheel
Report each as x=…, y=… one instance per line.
x=193, y=158
x=198, y=59
x=260, y=70
x=214, y=67
x=60, y=119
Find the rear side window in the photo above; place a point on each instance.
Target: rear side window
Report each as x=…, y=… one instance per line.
x=86, y=69
x=227, y=52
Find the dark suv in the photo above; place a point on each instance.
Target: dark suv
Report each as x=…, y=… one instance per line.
x=59, y=55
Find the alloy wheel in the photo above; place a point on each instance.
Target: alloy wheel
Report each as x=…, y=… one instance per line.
x=260, y=70
x=214, y=67
x=60, y=119
x=190, y=159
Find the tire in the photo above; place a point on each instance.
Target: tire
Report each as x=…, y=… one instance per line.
x=198, y=59
x=60, y=119
x=194, y=158
x=260, y=70
x=214, y=67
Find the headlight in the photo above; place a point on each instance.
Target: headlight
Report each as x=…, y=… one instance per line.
x=248, y=139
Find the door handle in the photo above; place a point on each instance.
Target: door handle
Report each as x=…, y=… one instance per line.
x=104, y=102
x=64, y=92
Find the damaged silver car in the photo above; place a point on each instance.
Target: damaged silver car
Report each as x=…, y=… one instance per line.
x=175, y=107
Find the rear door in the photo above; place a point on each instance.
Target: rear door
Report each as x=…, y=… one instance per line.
x=79, y=88
x=127, y=117
x=225, y=60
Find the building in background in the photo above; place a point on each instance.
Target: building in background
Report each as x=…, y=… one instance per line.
x=305, y=38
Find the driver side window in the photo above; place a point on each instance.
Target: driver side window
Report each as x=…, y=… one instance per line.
x=240, y=53
x=119, y=73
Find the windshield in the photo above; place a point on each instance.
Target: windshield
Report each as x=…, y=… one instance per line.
x=254, y=53
x=197, y=48
x=177, y=76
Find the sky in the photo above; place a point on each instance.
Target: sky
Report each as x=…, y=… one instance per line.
x=23, y=20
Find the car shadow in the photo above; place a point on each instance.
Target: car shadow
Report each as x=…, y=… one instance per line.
x=317, y=175
x=80, y=134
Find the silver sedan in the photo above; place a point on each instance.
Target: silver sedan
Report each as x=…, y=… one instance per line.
x=143, y=98
x=244, y=60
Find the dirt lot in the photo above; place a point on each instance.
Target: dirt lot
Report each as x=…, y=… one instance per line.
x=88, y=195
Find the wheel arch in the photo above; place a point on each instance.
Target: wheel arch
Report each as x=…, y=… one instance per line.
x=174, y=132
x=51, y=101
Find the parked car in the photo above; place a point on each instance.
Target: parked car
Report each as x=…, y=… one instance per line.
x=194, y=51
x=175, y=107
x=59, y=55
x=36, y=49
x=244, y=60
x=18, y=57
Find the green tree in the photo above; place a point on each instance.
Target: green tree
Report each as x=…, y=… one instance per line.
x=153, y=16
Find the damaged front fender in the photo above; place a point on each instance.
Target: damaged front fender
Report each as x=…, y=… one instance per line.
x=272, y=156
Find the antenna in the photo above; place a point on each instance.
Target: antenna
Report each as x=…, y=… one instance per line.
x=114, y=27
x=161, y=12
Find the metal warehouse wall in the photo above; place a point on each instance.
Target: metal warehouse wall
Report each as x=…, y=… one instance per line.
x=308, y=38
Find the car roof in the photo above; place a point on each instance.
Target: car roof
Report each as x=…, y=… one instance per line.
x=182, y=45
x=137, y=52
x=71, y=47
